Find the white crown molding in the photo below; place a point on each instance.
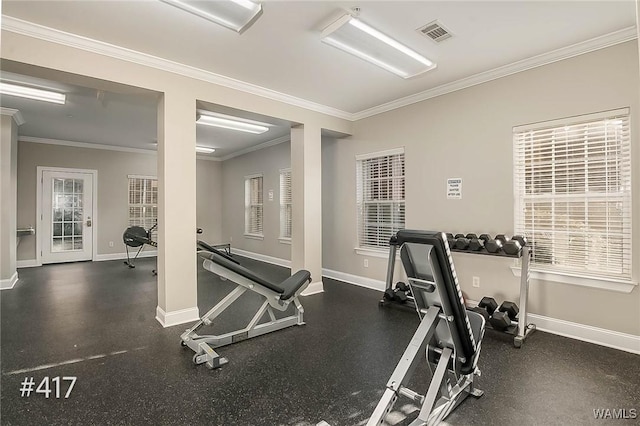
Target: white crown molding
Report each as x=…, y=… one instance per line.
x=41, y=32
x=84, y=145
x=273, y=142
x=16, y=114
x=577, y=49
x=205, y=157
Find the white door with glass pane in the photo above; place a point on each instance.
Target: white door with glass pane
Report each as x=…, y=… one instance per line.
x=66, y=233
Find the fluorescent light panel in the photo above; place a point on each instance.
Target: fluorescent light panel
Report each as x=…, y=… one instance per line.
x=237, y=15
x=204, y=149
x=362, y=40
x=32, y=93
x=232, y=123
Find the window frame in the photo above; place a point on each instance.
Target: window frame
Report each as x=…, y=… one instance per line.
x=283, y=238
x=598, y=279
x=143, y=220
x=248, y=207
x=376, y=250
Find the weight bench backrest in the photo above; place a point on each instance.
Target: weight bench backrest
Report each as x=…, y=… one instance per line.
x=427, y=259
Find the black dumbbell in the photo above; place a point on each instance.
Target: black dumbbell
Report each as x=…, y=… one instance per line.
x=471, y=236
x=482, y=312
x=488, y=303
x=389, y=295
x=400, y=296
x=521, y=239
x=512, y=247
x=459, y=236
x=451, y=239
x=500, y=321
x=402, y=286
x=485, y=237
x=462, y=243
x=493, y=246
x=502, y=238
x=476, y=244
x=511, y=309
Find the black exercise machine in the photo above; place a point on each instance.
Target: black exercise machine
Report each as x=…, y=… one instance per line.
x=278, y=296
x=448, y=334
x=137, y=237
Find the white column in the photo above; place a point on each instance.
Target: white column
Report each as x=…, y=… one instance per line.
x=177, y=278
x=9, y=197
x=306, y=190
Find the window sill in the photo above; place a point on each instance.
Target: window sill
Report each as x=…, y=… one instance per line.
x=610, y=284
x=285, y=241
x=382, y=253
x=254, y=236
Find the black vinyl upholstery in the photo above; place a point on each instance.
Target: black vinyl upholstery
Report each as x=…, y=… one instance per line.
x=438, y=241
x=286, y=289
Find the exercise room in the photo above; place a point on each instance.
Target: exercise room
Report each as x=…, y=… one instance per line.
x=314, y=213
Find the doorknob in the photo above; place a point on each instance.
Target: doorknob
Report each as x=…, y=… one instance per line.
x=89, y=222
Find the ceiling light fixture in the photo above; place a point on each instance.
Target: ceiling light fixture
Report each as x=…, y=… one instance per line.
x=353, y=36
x=232, y=123
x=32, y=93
x=237, y=15
x=204, y=149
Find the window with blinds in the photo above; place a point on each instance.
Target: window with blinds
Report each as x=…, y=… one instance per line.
x=143, y=202
x=573, y=193
x=253, y=205
x=380, y=197
x=285, y=204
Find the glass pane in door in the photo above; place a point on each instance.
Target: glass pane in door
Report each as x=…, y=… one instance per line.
x=67, y=218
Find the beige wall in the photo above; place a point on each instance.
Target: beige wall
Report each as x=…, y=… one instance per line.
x=8, y=179
x=209, y=200
x=268, y=162
x=113, y=169
x=468, y=134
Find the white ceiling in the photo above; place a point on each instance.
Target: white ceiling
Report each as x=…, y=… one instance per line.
x=282, y=50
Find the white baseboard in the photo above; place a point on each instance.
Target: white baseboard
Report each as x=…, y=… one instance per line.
x=262, y=257
x=586, y=333
x=354, y=279
x=169, y=319
x=28, y=263
x=9, y=283
x=121, y=256
x=313, y=288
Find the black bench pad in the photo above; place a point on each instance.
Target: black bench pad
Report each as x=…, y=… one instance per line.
x=286, y=289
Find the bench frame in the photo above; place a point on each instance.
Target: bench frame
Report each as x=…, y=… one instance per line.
x=204, y=345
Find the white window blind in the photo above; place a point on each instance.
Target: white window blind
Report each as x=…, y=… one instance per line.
x=143, y=202
x=285, y=203
x=573, y=194
x=380, y=197
x=253, y=205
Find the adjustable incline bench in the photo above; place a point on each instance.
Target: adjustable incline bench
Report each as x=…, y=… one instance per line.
x=449, y=335
x=276, y=296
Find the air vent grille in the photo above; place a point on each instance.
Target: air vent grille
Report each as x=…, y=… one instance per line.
x=435, y=31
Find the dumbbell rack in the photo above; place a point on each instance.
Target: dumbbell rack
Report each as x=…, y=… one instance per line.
x=523, y=328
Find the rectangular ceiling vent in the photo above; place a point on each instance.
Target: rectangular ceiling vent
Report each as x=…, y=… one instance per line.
x=435, y=31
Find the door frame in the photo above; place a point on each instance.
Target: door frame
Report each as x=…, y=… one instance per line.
x=40, y=213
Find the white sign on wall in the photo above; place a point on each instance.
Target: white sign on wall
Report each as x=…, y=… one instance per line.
x=271, y=195
x=454, y=188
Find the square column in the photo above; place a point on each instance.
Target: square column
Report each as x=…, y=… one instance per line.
x=177, y=271
x=9, y=196
x=306, y=192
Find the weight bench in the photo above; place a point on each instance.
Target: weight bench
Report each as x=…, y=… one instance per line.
x=276, y=296
x=448, y=334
